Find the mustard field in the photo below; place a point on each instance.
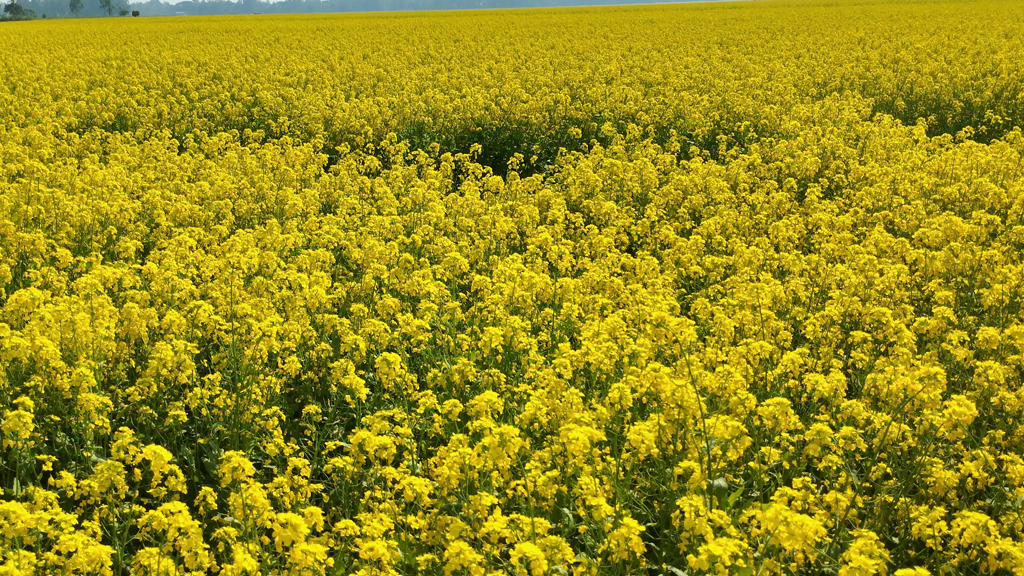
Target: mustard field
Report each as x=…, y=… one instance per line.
x=727, y=288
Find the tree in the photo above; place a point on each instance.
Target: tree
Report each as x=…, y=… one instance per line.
x=75, y=6
x=14, y=10
x=107, y=5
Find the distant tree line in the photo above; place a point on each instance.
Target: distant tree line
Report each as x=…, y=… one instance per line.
x=14, y=11
x=29, y=9
x=32, y=9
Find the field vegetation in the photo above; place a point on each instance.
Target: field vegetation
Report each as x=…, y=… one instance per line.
x=710, y=289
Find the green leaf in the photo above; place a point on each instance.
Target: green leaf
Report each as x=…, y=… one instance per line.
x=735, y=496
x=677, y=571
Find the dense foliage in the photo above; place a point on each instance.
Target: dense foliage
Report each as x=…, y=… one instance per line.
x=729, y=288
